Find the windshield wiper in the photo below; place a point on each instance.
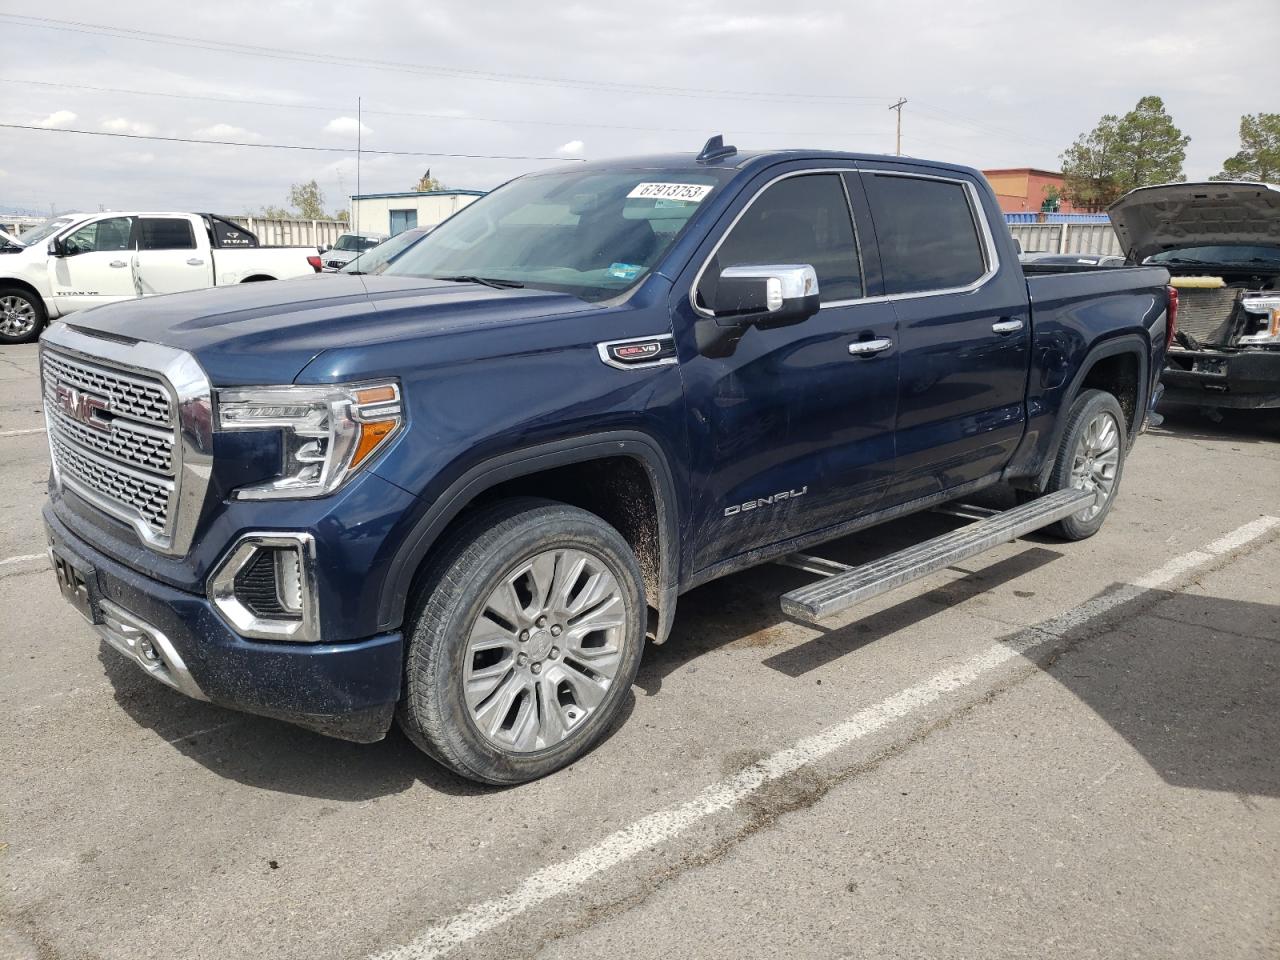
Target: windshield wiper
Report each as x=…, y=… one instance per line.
x=485, y=281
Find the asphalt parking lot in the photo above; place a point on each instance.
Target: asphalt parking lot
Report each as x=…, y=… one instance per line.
x=1053, y=750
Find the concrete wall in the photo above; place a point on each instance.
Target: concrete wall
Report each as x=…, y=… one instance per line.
x=1067, y=238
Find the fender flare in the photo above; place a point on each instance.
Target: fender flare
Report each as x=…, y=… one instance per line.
x=1125, y=343
x=526, y=462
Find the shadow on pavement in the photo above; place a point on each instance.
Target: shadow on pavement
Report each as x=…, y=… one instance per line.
x=1245, y=426
x=1192, y=683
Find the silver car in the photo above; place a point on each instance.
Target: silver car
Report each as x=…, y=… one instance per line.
x=346, y=248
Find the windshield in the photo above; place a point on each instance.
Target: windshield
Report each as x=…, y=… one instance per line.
x=43, y=230
x=354, y=242
x=375, y=260
x=1219, y=253
x=589, y=233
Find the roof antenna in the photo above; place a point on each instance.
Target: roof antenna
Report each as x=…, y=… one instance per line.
x=715, y=149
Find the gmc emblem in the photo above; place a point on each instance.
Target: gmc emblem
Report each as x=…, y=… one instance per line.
x=82, y=407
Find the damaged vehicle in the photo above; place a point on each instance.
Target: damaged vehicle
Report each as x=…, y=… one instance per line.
x=1221, y=244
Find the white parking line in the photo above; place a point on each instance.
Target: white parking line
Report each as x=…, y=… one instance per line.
x=19, y=433
x=24, y=558
x=566, y=876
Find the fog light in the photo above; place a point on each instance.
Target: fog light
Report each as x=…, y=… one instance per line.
x=264, y=587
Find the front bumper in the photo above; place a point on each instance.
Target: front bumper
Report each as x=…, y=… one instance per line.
x=1248, y=379
x=346, y=690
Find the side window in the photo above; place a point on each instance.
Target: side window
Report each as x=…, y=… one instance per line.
x=802, y=219
x=165, y=233
x=228, y=235
x=101, y=235
x=927, y=234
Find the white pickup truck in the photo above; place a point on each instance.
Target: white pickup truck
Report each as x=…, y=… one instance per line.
x=75, y=261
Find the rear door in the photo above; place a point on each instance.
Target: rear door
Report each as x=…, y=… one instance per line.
x=171, y=257
x=97, y=267
x=791, y=432
x=963, y=329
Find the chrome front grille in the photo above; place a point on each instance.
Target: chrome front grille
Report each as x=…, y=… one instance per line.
x=112, y=438
x=127, y=395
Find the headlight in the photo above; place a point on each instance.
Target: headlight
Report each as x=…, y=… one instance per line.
x=327, y=432
x=1266, y=313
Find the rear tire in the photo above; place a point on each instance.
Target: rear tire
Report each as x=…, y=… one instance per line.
x=1090, y=457
x=524, y=639
x=22, y=316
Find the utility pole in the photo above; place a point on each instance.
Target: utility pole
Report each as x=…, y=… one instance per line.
x=898, y=106
x=359, y=132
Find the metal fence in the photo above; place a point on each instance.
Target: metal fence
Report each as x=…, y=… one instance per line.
x=293, y=233
x=1066, y=238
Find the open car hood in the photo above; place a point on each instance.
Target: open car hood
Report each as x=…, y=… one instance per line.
x=1173, y=215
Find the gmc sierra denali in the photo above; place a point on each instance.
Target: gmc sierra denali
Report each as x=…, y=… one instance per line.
x=463, y=492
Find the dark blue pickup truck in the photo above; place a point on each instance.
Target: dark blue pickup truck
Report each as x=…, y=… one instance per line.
x=462, y=493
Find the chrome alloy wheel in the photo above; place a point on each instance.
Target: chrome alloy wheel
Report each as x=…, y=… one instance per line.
x=544, y=650
x=17, y=316
x=1096, y=463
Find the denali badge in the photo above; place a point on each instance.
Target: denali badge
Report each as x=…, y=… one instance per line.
x=765, y=501
x=82, y=407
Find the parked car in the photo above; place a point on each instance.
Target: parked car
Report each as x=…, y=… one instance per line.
x=461, y=493
x=1221, y=242
x=347, y=247
x=76, y=261
x=375, y=259
x=1073, y=259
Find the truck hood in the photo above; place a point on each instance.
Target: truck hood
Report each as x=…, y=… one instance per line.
x=1173, y=215
x=266, y=333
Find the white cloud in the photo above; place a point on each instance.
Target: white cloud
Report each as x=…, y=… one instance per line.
x=3, y=173
x=125, y=125
x=226, y=131
x=59, y=118
x=573, y=148
x=346, y=126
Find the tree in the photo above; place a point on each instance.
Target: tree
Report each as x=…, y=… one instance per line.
x=1141, y=148
x=308, y=200
x=426, y=183
x=1052, y=200
x=1259, y=156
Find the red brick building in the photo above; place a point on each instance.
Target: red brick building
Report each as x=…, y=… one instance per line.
x=1022, y=189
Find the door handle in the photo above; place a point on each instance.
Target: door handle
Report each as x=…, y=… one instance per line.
x=195, y=262
x=117, y=263
x=869, y=348
x=1006, y=326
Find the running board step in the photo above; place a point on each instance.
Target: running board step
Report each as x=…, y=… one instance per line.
x=844, y=586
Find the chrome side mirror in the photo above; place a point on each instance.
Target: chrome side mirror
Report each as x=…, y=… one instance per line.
x=772, y=293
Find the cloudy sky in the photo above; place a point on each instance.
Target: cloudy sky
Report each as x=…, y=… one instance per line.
x=988, y=84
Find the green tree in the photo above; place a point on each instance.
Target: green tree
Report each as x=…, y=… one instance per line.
x=1141, y=148
x=426, y=183
x=308, y=199
x=1259, y=156
x=1052, y=200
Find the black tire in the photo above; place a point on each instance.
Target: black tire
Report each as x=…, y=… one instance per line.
x=457, y=590
x=1090, y=405
x=27, y=303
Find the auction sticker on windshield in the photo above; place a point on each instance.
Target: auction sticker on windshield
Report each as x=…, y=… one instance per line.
x=686, y=192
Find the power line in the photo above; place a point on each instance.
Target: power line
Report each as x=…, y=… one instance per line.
x=330, y=59
x=334, y=108
x=284, y=146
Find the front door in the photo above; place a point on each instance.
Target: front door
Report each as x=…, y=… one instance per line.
x=963, y=326
x=792, y=432
x=98, y=266
x=168, y=259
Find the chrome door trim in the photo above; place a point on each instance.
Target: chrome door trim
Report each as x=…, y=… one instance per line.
x=1006, y=326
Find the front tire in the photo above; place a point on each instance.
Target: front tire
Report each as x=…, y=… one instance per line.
x=524, y=639
x=22, y=315
x=1090, y=457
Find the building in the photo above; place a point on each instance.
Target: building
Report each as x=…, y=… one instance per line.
x=392, y=212
x=1025, y=189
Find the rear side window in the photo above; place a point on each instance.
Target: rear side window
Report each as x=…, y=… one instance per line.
x=803, y=219
x=165, y=233
x=228, y=235
x=927, y=234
